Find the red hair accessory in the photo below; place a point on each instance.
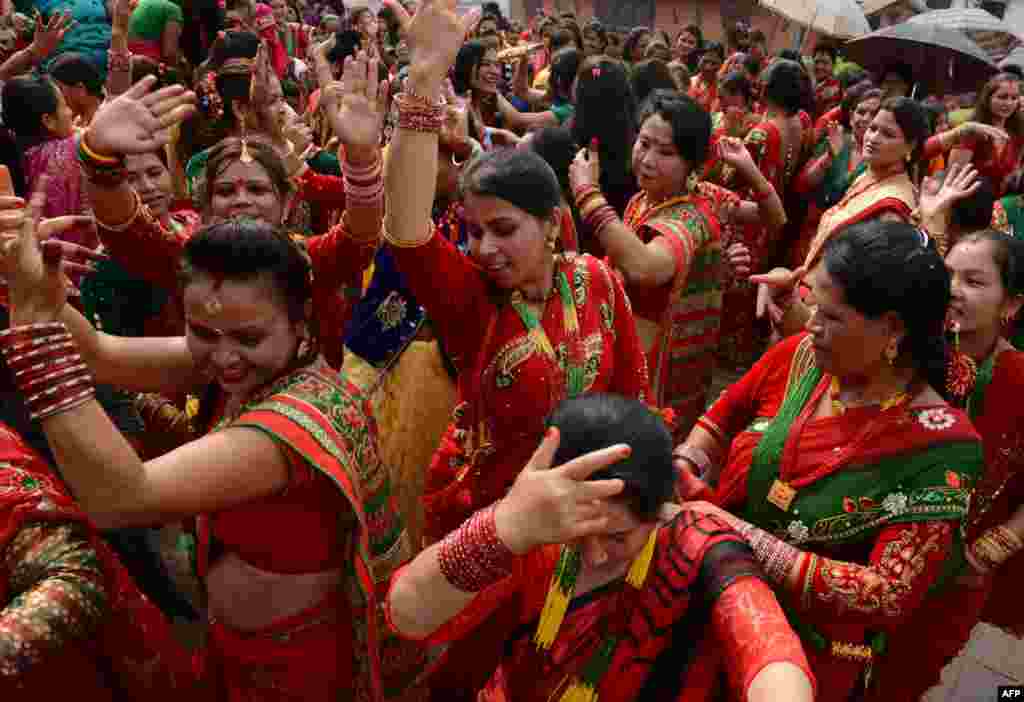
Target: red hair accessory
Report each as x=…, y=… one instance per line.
x=596, y=71
x=594, y=144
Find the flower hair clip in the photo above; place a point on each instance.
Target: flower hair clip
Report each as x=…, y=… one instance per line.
x=596, y=72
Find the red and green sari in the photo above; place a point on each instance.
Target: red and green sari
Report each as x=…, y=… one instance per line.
x=879, y=503
x=335, y=647
x=703, y=604
x=72, y=623
x=679, y=322
x=946, y=624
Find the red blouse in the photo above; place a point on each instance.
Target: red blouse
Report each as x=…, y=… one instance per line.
x=506, y=386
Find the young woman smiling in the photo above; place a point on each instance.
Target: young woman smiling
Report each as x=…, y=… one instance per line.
x=998, y=106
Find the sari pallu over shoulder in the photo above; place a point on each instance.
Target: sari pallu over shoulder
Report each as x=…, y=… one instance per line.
x=915, y=464
x=324, y=420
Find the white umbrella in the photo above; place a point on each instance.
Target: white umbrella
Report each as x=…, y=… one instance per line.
x=986, y=30
x=836, y=18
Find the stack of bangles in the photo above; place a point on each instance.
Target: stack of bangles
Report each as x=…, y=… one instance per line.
x=104, y=171
x=47, y=368
x=119, y=60
x=419, y=114
x=595, y=212
x=473, y=557
x=364, y=184
x=995, y=547
x=776, y=557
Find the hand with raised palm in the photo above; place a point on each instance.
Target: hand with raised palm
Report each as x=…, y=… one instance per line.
x=434, y=36
x=937, y=200
x=48, y=36
x=355, y=105
x=139, y=121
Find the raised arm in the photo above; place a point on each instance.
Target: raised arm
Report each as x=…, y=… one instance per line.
x=119, y=58
x=44, y=42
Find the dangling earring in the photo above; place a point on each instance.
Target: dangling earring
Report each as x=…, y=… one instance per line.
x=892, y=350
x=962, y=371
x=692, y=181
x=550, y=243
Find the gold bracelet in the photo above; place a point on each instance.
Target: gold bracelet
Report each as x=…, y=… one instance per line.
x=137, y=210
x=403, y=244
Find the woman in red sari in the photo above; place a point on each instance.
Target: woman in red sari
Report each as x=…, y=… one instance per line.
x=644, y=583
x=704, y=85
x=669, y=244
x=998, y=106
x=72, y=623
x=886, y=191
x=283, y=440
x=733, y=120
x=840, y=462
x=250, y=178
x=987, y=271
x=828, y=93
x=525, y=325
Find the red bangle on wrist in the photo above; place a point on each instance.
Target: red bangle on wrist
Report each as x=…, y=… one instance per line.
x=47, y=368
x=473, y=557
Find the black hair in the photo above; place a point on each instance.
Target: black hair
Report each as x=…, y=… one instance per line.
x=713, y=47
x=894, y=267
x=26, y=99
x=74, y=69
x=784, y=86
x=347, y=42
x=974, y=212
x=596, y=421
x=606, y=110
x=789, y=55
x=517, y=176
x=650, y=75
x=468, y=58
x=564, y=66
x=563, y=38
x=558, y=149
x=228, y=151
x=735, y=83
x=1008, y=255
x=233, y=86
x=245, y=249
x=1013, y=69
x=855, y=96
x=913, y=121
x=629, y=46
x=691, y=124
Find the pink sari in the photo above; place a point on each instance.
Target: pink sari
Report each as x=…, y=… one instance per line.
x=65, y=188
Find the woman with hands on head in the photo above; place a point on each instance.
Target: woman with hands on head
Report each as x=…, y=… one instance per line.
x=281, y=437
x=604, y=583
x=668, y=246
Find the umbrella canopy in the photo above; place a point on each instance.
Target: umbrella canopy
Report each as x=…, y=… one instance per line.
x=836, y=18
x=986, y=30
x=943, y=60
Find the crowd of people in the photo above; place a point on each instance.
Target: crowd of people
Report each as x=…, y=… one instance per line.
x=465, y=359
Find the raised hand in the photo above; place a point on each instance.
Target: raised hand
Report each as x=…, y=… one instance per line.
x=50, y=35
x=557, y=505
x=355, y=105
x=585, y=169
x=298, y=132
x=37, y=286
x=836, y=137
x=937, y=200
x=734, y=152
x=139, y=121
x=434, y=37
x=738, y=258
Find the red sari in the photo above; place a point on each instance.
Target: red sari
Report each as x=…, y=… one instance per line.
x=880, y=498
x=126, y=651
x=678, y=322
x=949, y=619
x=508, y=381
x=704, y=94
x=332, y=649
x=996, y=165
x=150, y=251
x=703, y=604
x=827, y=95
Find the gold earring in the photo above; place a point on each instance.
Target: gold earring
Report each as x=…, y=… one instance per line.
x=1005, y=318
x=892, y=350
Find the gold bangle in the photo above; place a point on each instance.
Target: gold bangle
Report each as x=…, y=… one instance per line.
x=402, y=244
x=137, y=210
x=95, y=156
